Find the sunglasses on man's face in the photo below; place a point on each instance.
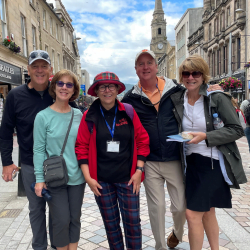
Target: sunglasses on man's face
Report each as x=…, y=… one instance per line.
x=195, y=74
x=35, y=54
x=69, y=85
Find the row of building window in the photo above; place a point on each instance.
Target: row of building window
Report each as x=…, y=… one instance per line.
x=51, y=25
x=181, y=34
x=220, y=22
x=24, y=36
x=218, y=60
x=3, y=18
x=66, y=34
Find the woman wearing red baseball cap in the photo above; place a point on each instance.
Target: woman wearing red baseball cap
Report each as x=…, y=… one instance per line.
x=111, y=149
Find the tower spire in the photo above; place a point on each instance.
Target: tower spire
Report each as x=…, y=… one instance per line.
x=158, y=6
x=158, y=30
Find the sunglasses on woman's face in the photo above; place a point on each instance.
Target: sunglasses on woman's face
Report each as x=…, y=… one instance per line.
x=195, y=74
x=69, y=85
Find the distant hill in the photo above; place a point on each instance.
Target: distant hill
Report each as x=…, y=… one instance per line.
x=128, y=87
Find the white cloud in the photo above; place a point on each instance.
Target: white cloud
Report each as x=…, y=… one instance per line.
x=98, y=6
x=114, y=43
x=114, y=31
x=198, y=3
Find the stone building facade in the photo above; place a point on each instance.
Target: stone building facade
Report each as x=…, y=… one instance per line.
x=224, y=43
x=189, y=22
x=171, y=67
x=166, y=63
x=70, y=53
x=247, y=52
x=195, y=42
x=31, y=24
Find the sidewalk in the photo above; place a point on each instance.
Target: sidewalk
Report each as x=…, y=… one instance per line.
x=15, y=231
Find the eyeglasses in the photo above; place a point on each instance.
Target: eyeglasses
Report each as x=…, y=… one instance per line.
x=195, y=74
x=69, y=85
x=42, y=54
x=111, y=87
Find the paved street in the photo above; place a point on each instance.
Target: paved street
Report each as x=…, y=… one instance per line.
x=15, y=231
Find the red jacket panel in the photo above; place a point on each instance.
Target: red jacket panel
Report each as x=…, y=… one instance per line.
x=86, y=143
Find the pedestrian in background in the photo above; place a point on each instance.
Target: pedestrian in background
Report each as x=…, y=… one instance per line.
x=245, y=107
x=50, y=128
x=111, y=149
x=213, y=161
x=239, y=113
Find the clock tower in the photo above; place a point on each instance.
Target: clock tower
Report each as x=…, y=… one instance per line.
x=158, y=31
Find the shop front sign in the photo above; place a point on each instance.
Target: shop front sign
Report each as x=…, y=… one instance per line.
x=10, y=73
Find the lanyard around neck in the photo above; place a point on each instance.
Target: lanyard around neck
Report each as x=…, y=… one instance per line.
x=113, y=127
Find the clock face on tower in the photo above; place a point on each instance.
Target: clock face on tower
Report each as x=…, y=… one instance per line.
x=160, y=45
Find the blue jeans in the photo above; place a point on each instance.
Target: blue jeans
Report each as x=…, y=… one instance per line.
x=247, y=133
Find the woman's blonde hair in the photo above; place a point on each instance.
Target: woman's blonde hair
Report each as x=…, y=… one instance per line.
x=57, y=77
x=195, y=63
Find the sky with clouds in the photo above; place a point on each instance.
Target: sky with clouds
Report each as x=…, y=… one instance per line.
x=113, y=31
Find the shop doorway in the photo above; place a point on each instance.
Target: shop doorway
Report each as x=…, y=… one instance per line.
x=3, y=94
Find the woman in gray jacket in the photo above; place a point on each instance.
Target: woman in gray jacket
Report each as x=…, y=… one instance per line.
x=213, y=161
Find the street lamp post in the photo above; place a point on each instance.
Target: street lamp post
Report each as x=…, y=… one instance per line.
x=230, y=55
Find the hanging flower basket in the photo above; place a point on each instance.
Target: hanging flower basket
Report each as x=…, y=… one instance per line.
x=230, y=83
x=11, y=45
x=247, y=65
x=14, y=47
x=6, y=42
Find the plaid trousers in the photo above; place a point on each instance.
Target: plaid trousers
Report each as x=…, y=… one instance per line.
x=129, y=204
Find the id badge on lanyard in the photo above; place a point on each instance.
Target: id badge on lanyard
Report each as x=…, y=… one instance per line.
x=112, y=146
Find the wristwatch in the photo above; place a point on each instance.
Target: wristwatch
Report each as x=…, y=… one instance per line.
x=140, y=168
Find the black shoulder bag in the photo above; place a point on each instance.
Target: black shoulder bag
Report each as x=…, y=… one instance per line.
x=55, y=168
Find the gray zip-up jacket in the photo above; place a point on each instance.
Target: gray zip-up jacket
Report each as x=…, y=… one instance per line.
x=224, y=138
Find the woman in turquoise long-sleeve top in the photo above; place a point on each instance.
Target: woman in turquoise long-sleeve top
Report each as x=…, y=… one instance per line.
x=50, y=128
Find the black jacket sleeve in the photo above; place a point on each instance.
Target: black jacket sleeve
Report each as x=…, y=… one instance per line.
x=7, y=129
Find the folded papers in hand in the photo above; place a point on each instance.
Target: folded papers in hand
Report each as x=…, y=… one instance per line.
x=177, y=138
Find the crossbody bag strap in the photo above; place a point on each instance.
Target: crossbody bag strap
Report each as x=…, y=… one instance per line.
x=66, y=137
